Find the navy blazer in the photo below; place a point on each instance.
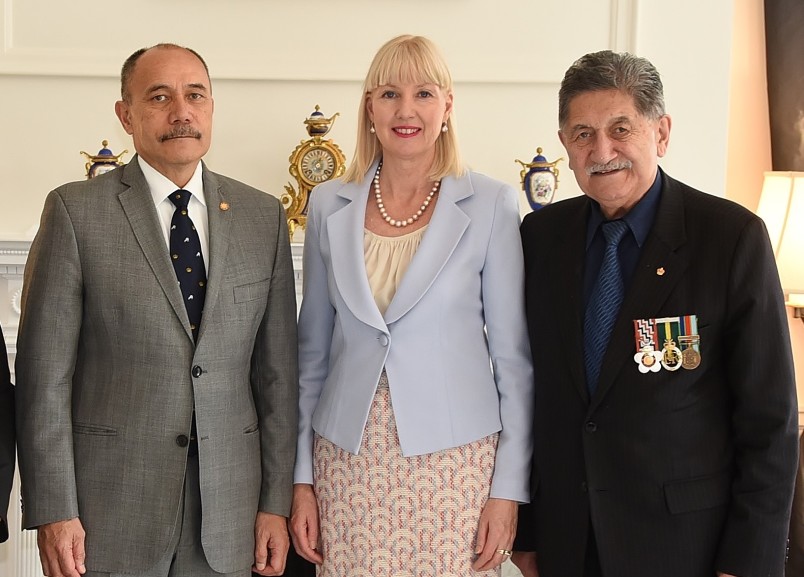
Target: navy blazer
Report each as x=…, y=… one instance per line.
x=453, y=340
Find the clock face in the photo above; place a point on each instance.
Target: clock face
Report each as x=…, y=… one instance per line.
x=317, y=165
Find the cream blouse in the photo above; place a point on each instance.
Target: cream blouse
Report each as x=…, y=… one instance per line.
x=387, y=259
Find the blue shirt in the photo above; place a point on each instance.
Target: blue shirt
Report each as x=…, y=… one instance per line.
x=639, y=220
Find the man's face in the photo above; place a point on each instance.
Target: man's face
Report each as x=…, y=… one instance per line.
x=613, y=149
x=168, y=110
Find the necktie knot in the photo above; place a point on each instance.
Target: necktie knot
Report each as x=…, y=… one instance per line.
x=613, y=231
x=180, y=198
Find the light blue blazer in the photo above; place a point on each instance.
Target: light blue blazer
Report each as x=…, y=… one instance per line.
x=451, y=381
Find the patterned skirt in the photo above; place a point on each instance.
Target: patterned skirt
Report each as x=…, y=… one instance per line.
x=385, y=515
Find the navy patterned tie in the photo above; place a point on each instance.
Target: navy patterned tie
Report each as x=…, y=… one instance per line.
x=188, y=262
x=604, y=304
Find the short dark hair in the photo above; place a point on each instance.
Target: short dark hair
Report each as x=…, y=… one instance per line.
x=607, y=70
x=131, y=61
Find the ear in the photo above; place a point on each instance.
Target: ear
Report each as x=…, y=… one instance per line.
x=563, y=140
x=663, y=135
x=121, y=109
x=448, y=109
x=369, y=108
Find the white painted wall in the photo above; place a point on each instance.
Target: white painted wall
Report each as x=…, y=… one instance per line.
x=273, y=60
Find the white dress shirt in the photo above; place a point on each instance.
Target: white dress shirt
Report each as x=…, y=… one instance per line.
x=161, y=187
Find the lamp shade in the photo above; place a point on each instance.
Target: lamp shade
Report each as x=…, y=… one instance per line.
x=781, y=206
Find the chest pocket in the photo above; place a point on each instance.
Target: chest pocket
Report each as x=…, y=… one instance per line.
x=252, y=291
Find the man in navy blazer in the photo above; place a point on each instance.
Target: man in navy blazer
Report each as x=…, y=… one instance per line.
x=7, y=444
x=679, y=459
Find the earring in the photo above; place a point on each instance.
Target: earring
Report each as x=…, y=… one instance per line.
x=371, y=129
x=444, y=127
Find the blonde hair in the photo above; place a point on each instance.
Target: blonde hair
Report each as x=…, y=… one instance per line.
x=401, y=60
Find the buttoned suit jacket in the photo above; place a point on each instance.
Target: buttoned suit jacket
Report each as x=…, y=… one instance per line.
x=466, y=276
x=109, y=375
x=681, y=473
x=7, y=438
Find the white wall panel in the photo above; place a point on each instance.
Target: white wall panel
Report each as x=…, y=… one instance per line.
x=504, y=41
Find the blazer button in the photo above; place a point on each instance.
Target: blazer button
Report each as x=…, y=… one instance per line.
x=384, y=340
x=584, y=487
x=197, y=371
x=182, y=441
x=590, y=427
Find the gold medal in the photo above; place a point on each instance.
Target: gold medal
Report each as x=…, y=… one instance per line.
x=671, y=355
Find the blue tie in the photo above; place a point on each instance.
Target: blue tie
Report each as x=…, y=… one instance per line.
x=604, y=304
x=188, y=262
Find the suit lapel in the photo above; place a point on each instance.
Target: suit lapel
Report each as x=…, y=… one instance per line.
x=659, y=270
x=446, y=228
x=138, y=206
x=345, y=235
x=567, y=282
x=220, y=224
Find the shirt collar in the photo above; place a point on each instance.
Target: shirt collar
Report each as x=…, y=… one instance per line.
x=161, y=186
x=639, y=219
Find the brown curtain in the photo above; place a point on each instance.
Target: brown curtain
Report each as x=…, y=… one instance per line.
x=784, y=39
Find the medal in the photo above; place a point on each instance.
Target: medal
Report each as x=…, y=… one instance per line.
x=647, y=357
x=682, y=330
x=649, y=360
x=671, y=354
x=691, y=341
x=690, y=358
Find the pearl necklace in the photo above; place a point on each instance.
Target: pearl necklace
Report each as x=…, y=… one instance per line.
x=381, y=205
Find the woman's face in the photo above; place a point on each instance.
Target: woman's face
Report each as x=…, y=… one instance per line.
x=408, y=117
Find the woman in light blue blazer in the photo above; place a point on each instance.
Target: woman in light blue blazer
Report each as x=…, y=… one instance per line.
x=416, y=385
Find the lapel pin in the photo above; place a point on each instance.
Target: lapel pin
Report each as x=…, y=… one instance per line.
x=660, y=271
x=224, y=206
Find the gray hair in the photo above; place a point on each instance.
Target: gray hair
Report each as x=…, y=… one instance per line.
x=608, y=70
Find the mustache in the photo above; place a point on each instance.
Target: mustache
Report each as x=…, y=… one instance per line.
x=609, y=166
x=183, y=131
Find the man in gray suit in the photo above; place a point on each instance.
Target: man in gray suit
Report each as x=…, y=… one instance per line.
x=134, y=416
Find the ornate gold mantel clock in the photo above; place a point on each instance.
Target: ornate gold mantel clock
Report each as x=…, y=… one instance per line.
x=312, y=162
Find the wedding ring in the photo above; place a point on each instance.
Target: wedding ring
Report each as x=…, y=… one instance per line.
x=505, y=552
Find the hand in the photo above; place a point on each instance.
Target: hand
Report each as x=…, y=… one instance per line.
x=271, y=544
x=61, y=548
x=304, y=523
x=719, y=574
x=526, y=563
x=495, y=531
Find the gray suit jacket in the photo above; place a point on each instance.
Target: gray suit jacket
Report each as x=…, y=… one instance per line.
x=108, y=374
